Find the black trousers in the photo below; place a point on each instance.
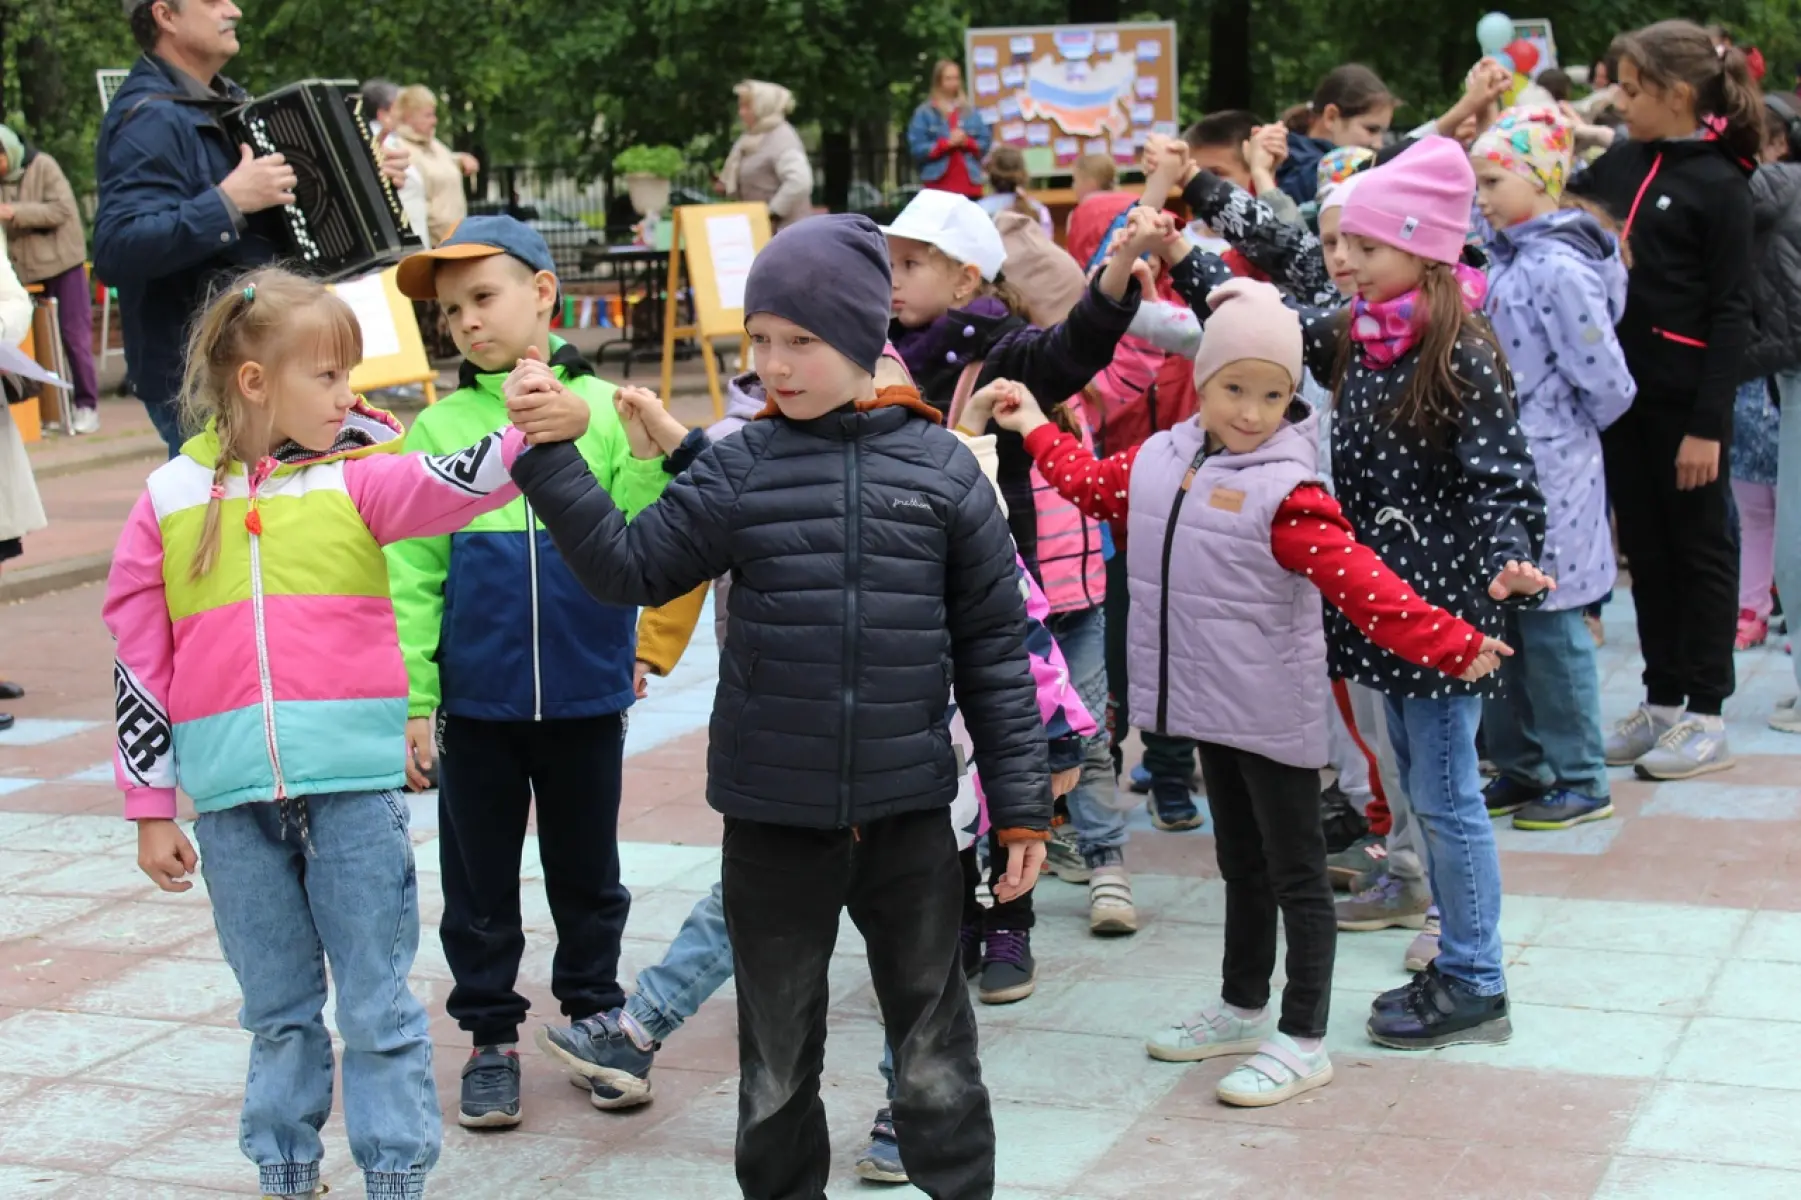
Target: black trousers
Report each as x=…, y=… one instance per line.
x=901, y=880
x=489, y=774
x=1165, y=757
x=1683, y=556
x=1017, y=913
x=1272, y=854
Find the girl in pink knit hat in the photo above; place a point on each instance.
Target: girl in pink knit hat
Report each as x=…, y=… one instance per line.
x=1433, y=472
x=1234, y=544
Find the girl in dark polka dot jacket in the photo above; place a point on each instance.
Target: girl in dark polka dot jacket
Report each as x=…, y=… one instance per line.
x=1433, y=472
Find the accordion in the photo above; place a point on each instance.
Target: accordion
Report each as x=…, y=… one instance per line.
x=346, y=218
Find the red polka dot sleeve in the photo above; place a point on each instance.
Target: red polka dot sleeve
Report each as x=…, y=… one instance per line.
x=1311, y=537
x=1096, y=486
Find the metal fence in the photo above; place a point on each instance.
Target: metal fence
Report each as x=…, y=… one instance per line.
x=581, y=212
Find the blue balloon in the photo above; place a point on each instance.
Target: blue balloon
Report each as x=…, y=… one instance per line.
x=1494, y=32
x=1505, y=59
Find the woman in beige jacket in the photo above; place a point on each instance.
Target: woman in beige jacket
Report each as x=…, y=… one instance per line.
x=768, y=161
x=21, y=511
x=441, y=168
x=43, y=229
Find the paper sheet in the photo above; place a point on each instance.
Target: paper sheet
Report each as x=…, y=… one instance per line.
x=731, y=246
x=14, y=361
x=368, y=300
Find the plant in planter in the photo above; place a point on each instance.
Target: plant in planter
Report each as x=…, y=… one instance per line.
x=647, y=171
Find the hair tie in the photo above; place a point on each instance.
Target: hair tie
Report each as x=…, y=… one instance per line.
x=249, y=292
x=218, y=492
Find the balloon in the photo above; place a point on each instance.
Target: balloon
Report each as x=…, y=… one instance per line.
x=1525, y=54
x=1494, y=31
x=1505, y=61
x=1520, y=82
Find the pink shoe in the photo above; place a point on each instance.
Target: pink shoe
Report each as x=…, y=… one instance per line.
x=1753, y=630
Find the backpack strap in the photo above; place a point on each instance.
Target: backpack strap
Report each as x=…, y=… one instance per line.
x=966, y=386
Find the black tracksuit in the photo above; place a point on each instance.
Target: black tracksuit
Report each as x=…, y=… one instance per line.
x=1685, y=208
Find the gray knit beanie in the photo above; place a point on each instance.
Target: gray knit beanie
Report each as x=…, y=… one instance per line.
x=830, y=276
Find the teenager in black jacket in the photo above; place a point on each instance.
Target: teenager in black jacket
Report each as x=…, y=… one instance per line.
x=1678, y=187
x=871, y=569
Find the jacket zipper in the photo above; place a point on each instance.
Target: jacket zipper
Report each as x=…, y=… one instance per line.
x=853, y=521
x=264, y=680
x=1632, y=214
x=531, y=558
x=1169, y=545
x=1679, y=339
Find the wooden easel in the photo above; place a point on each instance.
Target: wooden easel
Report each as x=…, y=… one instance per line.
x=408, y=364
x=715, y=241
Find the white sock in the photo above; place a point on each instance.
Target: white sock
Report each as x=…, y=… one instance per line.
x=1246, y=1014
x=1711, y=724
x=1308, y=1045
x=1665, y=713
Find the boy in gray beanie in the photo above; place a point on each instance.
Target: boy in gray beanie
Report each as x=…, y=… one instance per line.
x=871, y=568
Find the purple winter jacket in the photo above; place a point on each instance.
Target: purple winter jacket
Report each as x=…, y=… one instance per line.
x=1556, y=288
x=1224, y=643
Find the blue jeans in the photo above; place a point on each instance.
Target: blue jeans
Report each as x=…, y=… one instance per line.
x=283, y=904
x=1082, y=636
x=1543, y=727
x=1788, y=500
x=1435, y=753
x=697, y=964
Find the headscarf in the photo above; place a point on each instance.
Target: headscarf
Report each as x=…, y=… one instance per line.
x=1533, y=143
x=770, y=104
x=14, y=148
x=1339, y=164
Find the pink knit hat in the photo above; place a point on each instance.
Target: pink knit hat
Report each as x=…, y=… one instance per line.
x=1418, y=202
x=1248, y=320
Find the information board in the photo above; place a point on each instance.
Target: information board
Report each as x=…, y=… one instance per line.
x=713, y=247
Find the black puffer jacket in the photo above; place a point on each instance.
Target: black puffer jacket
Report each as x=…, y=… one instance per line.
x=1776, y=290
x=871, y=569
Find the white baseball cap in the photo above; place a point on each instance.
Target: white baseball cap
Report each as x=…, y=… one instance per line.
x=954, y=224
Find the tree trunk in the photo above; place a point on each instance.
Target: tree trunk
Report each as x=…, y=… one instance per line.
x=1229, y=55
x=1094, y=12
x=836, y=161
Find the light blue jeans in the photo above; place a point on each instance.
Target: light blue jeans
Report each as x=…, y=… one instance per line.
x=1788, y=504
x=1435, y=752
x=1082, y=636
x=697, y=964
x=284, y=905
x=1543, y=727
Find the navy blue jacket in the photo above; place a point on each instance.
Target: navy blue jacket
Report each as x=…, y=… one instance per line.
x=164, y=232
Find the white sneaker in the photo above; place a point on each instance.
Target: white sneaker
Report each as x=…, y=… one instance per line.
x=1787, y=717
x=1687, y=749
x=1280, y=1069
x=1635, y=737
x=87, y=420
x=1213, y=1031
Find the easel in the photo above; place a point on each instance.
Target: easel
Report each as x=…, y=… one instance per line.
x=387, y=321
x=716, y=241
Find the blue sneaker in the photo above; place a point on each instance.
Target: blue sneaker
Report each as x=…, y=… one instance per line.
x=604, y=1057
x=1562, y=809
x=881, y=1162
x=1506, y=796
x=1172, y=806
x=1141, y=780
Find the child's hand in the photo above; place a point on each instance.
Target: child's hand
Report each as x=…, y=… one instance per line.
x=1146, y=275
x=1697, y=463
x=1520, y=579
x=1016, y=409
x=1487, y=660
x=1064, y=782
x=1258, y=155
x=420, y=745
x=540, y=406
x=166, y=855
x=1165, y=156
x=1146, y=231
x=1274, y=141
x=640, y=673
x=647, y=422
x=1023, y=862
x=979, y=408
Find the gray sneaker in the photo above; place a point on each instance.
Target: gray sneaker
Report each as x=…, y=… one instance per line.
x=1063, y=857
x=1686, y=750
x=1388, y=904
x=1635, y=737
x=1424, y=947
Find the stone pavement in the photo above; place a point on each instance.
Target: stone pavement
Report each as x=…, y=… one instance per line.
x=1653, y=961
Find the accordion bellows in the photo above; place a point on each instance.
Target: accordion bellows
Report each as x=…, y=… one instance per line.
x=346, y=218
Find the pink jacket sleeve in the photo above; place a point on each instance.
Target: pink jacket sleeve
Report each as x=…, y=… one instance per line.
x=137, y=613
x=404, y=496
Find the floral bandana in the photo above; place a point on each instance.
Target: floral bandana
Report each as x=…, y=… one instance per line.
x=1533, y=143
x=1385, y=330
x=1339, y=164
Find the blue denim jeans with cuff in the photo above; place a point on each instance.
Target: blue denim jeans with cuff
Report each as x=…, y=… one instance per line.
x=1542, y=727
x=334, y=881
x=697, y=964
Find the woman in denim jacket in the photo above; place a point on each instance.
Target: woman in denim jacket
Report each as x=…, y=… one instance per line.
x=947, y=136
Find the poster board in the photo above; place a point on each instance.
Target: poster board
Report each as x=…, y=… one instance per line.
x=393, y=351
x=1058, y=92
x=1539, y=34
x=713, y=246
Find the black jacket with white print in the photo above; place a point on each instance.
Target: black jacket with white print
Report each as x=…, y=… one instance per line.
x=1445, y=520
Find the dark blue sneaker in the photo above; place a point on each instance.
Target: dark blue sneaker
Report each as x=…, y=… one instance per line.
x=490, y=1098
x=1435, y=1012
x=1009, y=972
x=1562, y=809
x=881, y=1162
x=1507, y=796
x=604, y=1058
x=1172, y=806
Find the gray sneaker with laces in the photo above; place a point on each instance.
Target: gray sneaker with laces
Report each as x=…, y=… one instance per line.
x=1424, y=947
x=1689, y=748
x=1388, y=903
x=1635, y=737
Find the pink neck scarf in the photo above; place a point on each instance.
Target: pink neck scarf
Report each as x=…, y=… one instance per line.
x=1385, y=330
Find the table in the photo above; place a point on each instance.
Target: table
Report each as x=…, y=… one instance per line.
x=643, y=270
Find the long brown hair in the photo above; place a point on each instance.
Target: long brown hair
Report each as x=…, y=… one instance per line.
x=267, y=315
x=1673, y=52
x=1431, y=402
x=1352, y=88
x=1007, y=174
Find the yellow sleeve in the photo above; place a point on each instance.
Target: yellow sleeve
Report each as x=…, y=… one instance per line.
x=664, y=633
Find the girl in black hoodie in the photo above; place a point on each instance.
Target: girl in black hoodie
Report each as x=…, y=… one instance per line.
x=1678, y=189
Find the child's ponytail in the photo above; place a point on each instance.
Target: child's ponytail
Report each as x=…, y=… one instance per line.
x=1726, y=97
x=1741, y=104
